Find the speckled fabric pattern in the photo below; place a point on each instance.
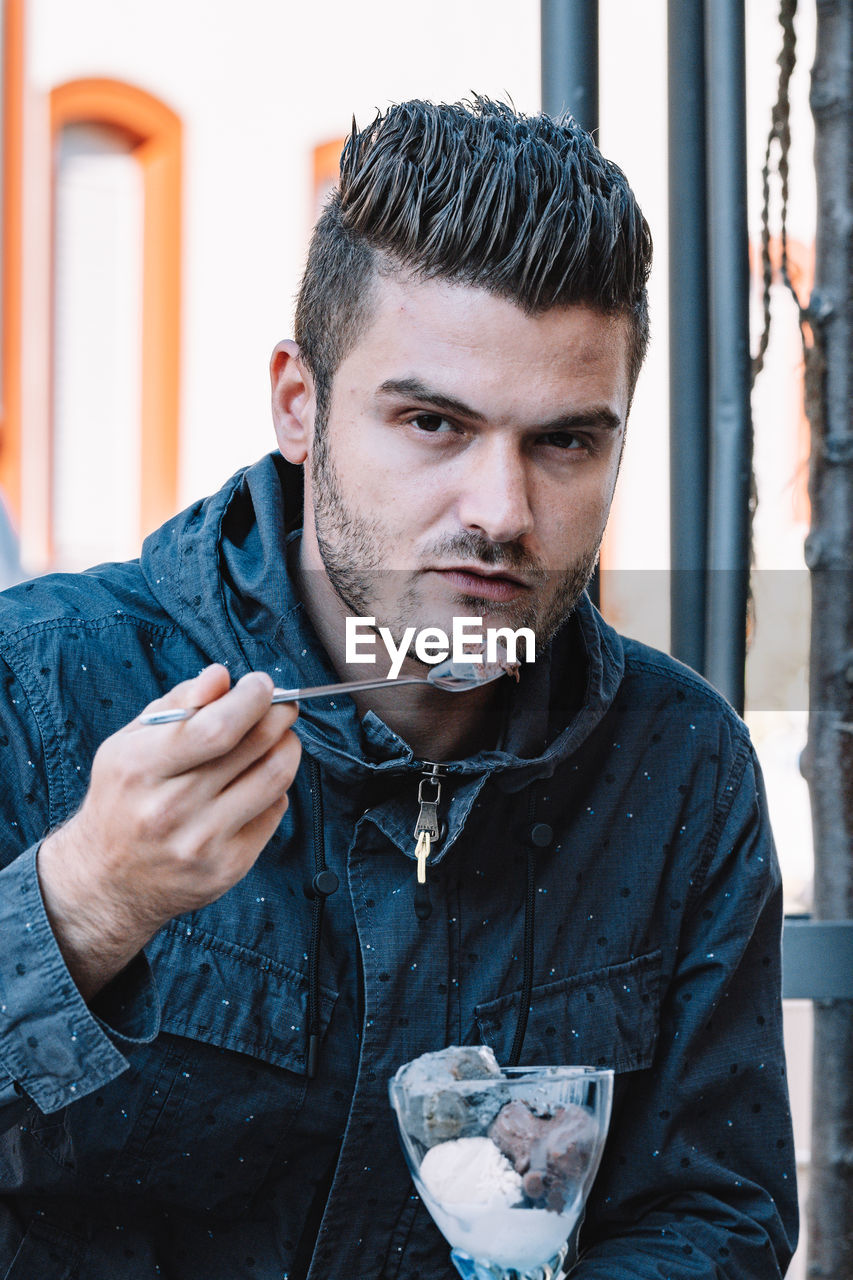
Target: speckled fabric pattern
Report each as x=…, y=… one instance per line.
x=171, y=1129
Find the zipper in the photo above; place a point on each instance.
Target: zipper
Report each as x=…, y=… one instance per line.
x=426, y=833
x=324, y=883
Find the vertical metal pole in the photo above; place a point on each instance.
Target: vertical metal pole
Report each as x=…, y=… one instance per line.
x=731, y=425
x=829, y=754
x=569, y=60
x=569, y=42
x=688, y=330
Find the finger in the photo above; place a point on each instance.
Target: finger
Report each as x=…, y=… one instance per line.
x=245, y=847
x=210, y=684
x=217, y=728
x=217, y=774
x=168, y=750
x=223, y=838
x=259, y=788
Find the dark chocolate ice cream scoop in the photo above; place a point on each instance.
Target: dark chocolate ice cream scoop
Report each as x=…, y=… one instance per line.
x=551, y=1152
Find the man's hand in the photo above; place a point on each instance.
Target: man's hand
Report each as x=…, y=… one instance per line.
x=174, y=816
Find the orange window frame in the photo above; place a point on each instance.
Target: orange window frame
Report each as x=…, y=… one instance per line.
x=327, y=157
x=156, y=143
x=14, y=17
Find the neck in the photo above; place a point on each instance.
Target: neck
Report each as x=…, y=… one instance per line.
x=437, y=725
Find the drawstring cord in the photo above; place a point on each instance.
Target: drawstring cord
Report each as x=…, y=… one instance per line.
x=527, y=982
x=324, y=883
x=539, y=835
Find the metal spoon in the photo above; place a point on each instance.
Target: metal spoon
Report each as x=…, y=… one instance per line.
x=454, y=677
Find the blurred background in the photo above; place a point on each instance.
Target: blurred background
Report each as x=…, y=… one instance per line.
x=162, y=166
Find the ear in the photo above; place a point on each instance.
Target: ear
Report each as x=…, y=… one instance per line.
x=293, y=402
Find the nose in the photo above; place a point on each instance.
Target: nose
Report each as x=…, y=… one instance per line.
x=495, y=499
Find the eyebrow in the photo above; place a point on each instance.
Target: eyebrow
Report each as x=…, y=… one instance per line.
x=596, y=416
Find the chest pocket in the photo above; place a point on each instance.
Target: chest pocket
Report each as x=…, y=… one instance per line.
x=602, y=1018
x=203, y=1112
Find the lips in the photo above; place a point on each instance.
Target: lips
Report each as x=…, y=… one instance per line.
x=487, y=585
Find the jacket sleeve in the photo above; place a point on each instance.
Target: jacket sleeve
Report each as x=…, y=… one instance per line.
x=54, y=1048
x=699, y=1175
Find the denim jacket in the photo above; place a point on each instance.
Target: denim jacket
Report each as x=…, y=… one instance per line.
x=171, y=1128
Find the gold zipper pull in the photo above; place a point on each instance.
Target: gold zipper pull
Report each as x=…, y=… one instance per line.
x=427, y=829
x=422, y=853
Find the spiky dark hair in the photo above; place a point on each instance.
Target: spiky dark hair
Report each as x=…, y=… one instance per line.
x=525, y=207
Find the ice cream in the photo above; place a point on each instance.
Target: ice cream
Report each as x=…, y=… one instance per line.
x=470, y=1171
x=476, y=1198
x=435, y=1112
x=551, y=1152
x=502, y=1159
x=518, y=1239
x=503, y=666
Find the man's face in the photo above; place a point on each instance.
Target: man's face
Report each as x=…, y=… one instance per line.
x=468, y=461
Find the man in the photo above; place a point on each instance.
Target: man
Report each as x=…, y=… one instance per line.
x=218, y=955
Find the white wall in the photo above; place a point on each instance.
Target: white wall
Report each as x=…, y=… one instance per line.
x=257, y=86
x=260, y=84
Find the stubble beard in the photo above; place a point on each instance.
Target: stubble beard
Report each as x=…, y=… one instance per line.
x=354, y=549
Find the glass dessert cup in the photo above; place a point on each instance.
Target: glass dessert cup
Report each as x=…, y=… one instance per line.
x=503, y=1162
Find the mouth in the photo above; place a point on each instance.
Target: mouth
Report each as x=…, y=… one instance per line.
x=488, y=584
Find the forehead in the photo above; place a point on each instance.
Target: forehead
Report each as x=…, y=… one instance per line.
x=467, y=339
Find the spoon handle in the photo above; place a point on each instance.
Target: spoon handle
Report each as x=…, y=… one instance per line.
x=349, y=686
x=288, y=695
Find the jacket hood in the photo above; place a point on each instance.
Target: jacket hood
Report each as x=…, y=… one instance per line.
x=220, y=570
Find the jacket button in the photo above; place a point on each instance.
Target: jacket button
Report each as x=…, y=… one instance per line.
x=541, y=835
x=324, y=883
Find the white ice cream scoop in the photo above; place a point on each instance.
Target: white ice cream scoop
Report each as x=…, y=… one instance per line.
x=470, y=1171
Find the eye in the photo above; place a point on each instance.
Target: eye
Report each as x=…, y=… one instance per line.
x=432, y=423
x=566, y=440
